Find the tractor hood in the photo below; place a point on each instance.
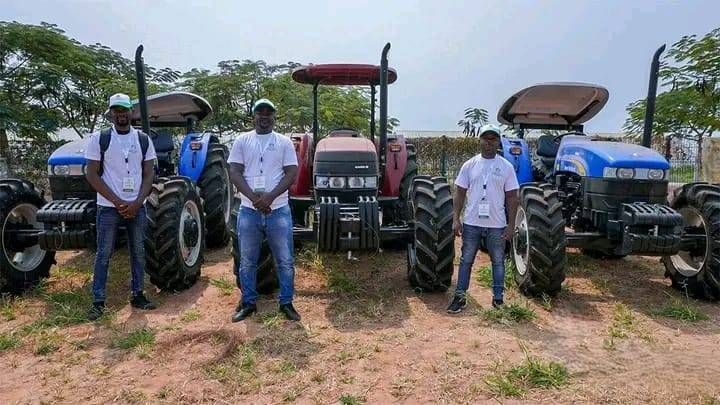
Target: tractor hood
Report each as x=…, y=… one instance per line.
x=595, y=156
x=563, y=104
x=71, y=153
x=173, y=109
x=346, y=156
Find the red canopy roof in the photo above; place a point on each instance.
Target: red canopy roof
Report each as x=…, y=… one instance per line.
x=341, y=74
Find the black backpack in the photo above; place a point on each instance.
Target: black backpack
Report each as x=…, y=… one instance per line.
x=105, y=144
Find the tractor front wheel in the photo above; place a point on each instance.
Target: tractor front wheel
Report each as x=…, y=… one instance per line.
x=175, y=235
x=696, y=271
x=22, y=262
x=538, y=245
x=266, y=281
x=216, y=192
x=431, y=255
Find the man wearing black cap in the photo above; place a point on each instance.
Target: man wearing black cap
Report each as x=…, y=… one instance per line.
x=485, y=186
x=263, y=166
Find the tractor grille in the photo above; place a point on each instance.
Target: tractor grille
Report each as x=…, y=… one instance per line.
x=64, y=187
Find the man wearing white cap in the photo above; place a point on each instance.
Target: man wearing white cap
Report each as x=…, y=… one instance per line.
x=485, y=187
x=120, y=167
x=263, y=166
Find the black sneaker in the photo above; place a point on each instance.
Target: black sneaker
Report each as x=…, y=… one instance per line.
x=497, y=303
x=139, y=301
x=457, y=304
x=96, y=311
x=243, y=311
x=289, y=311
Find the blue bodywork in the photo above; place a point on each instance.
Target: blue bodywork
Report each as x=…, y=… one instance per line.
x=581, y=155
x=71, y=153
x=192, y=160
x=521, y=162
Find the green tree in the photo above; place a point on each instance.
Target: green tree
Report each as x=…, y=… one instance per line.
x=472, y=120
x=689, y=108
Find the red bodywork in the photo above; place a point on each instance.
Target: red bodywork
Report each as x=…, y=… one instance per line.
x=304, y=151
x=396, y=160
x=350, y=74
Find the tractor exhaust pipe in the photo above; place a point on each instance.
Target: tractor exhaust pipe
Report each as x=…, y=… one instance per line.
x=650, y=101
x=383, y=104
x=142, y=89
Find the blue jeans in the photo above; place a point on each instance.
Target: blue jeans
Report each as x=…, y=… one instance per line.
x=108, y=222
x=491, y=238
x=277, y=227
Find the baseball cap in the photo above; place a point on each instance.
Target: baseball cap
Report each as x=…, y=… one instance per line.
x=263, y=102
x=489, y=128
x=120, y=100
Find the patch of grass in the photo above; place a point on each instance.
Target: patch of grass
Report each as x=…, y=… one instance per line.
x=623, y=324
x=483, y=275
x=682, y=310
x=532, y=373
x=141, y=340
x=287, y=368
x=190, y=315
x=402, y=387
x=66, y=308
x=47, y=342
x=7, y=309
x=291, y=395
x=9, y=341
x=238, y=372
x=225, y=286
x=509, y=314
x=271, y=319
x=349, y=399
x=309, y=258
x=341, y=282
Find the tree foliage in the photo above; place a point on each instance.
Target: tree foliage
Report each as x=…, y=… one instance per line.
x=473, y=119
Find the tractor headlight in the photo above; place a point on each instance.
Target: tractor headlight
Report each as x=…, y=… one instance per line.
x=625, y=173
x=337, y=182
x=656, y=174
x=371, y=182
x=356, y=182
x=61, y=170
x=322, y=182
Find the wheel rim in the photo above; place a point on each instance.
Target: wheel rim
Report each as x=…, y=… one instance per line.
x=685, y=262
x=190, y=232
x=29, y=258
x=521, y=242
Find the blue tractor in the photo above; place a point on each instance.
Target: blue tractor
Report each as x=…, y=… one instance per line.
x=188, y=208
x=609, y=199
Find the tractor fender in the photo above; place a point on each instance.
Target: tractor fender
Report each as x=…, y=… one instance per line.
x=396, y=156
x=304, y=150
x=193, y=154
x=516, y=152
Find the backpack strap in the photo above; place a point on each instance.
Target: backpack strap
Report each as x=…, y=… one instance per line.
x=144, y=143
x=104, y=145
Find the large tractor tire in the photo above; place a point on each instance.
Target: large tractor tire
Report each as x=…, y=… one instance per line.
x=216, y=192
x=431, y=256
x=697, y=271
x=22, y=263
x=267, y=281
x=538, y=246
x=175, y=235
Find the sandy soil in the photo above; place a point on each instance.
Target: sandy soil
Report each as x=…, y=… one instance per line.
x=365, y=337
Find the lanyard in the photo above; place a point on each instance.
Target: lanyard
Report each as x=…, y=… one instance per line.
x=265, y=148
x=488, y=172
x=125, y=147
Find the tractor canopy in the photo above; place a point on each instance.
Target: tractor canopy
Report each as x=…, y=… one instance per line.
x=337, y=74
x=553, y=105
x=173, y=109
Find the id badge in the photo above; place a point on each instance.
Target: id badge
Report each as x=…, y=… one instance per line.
x=484, y=210
x=259, y=184
x=128, y=184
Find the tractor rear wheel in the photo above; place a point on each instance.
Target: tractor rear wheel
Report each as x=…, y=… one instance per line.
x=538, y=245
x=22, y=263
x=175, y=235
x=697, y=271
x=431, y=255
x=267, y=281
x=216, y=192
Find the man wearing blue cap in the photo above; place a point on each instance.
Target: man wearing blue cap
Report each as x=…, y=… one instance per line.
x=485, y=186
x=263, y=166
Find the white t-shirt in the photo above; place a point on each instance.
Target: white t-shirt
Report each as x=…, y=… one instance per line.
x=500, y=176
x=115, y=169
x=264, y=156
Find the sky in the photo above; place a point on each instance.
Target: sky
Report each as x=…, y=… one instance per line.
x=449, y=55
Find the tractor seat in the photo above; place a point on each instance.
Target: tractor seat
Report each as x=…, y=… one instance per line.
x=163, y=142
x=344, y=132
x=547, y=147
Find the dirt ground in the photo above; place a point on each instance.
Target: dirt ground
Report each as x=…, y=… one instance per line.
x=365, y=337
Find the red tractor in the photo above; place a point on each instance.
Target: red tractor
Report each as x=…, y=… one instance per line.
x=353, y=193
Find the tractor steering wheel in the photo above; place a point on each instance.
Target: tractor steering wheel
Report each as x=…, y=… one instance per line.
x=558, y=138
